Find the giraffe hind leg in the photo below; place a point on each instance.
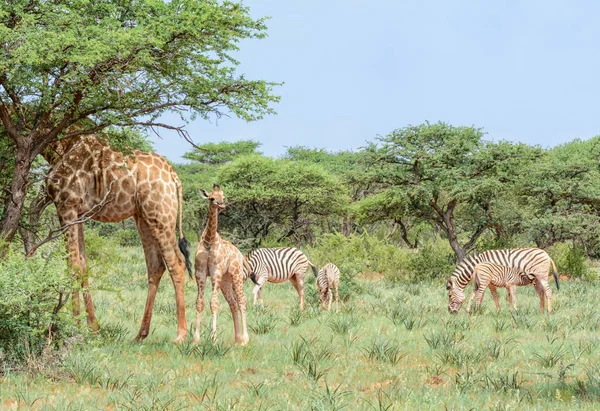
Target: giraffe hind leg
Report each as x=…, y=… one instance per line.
x=87, y=296
x=155, y=269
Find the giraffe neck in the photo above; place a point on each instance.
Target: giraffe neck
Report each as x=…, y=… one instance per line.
x=210, y=235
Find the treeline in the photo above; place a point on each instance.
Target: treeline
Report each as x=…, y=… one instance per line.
x=412, y=186
x=414, y=183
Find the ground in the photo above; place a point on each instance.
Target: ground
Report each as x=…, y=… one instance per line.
x=393, y=346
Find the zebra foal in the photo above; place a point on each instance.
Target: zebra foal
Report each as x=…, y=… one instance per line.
x=493, y=275
x=328, y=278
x=277, y=265
x=530, y=260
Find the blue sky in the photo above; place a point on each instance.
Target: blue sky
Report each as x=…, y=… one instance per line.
x=522, y=70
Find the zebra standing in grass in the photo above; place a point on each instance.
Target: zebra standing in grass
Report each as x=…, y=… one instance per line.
x=531, y=260
x=277, y=265
x=494, y=275
x=328, y=278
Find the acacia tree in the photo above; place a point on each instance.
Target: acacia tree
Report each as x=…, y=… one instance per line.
x=449, y=176
x=267, y=195
x=562, y=192
x=116, y=63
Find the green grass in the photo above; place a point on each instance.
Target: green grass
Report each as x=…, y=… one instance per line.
x=392, y=347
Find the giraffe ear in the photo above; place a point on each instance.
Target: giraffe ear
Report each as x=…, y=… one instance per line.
x=204, y=194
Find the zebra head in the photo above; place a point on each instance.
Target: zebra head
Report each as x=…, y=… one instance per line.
x=456, y=295
x=215, y=197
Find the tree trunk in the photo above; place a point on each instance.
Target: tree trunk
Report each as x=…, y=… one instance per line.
x=13, y=206
x=456, y=247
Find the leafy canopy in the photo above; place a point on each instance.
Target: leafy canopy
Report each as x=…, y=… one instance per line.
x=123, y=63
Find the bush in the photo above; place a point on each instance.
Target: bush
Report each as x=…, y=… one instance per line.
x=433, y=260
x=29, y=292
x=571, y=260
x=358, y=254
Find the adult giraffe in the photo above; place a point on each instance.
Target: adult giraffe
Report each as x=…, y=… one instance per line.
x=89, y=178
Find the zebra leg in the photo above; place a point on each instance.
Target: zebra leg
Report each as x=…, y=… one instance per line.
x=201, y=265
x=479, y=296
x=512, y=295
x=470, y=302
x=299, y=286
x=330, y=299
x=257, y=290
x=227, y=290
x=548, y=294
x=539, y=289
x=494, y=293
x=337, y=297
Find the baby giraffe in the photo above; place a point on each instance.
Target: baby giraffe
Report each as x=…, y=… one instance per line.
x=224, y=263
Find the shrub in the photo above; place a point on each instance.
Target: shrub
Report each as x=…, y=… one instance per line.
x=433, y=260
x=357, y=254
x=29, y=293
x=570, y=259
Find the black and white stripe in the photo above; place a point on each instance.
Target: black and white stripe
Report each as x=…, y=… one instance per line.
x=531, y=260
x=277, y=265
x=493, y=275
x=328, y=278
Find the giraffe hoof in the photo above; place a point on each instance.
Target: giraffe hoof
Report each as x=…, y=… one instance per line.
x=179, y=339
x=243, y=341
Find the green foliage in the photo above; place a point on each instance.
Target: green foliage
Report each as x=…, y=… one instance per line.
x=267, y=194
x=562, y=191
x=447, y=176
x=433, y=260
x=216, y=154
x=29, y=295
x=119, y=60
x=571, y=260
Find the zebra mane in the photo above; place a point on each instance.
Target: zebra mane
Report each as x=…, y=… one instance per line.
x=463, y=273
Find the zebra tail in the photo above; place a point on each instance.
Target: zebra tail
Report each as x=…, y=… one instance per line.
x=184, y=247
x=250, y=272
x=555, y=274
x=315, y=270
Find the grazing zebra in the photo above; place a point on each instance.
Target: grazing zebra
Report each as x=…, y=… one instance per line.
x=531, y=260
x=328, y=278
x=494, y=275
x=277, y=265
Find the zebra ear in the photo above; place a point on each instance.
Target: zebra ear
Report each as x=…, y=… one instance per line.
x=204, y=194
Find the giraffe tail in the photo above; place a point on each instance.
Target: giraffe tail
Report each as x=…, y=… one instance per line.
x=184, y=245
x=555, y=274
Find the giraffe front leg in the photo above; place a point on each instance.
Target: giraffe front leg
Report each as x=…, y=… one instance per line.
x=227, y=290
x=215, y=277
x=238, y=290
x=201, y=269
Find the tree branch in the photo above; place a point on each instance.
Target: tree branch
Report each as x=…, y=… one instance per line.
x=88, y=215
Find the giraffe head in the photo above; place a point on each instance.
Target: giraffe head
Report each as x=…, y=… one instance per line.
x=215, y=197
